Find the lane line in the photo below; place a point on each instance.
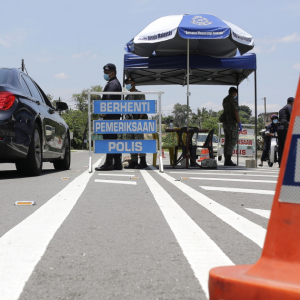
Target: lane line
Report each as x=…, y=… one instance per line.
x=265, y=213
x=227, y=179
x=226, y=171
x=231, y=174
x=121, y=175
x=247, y=228
x=116, y=181
x=236, y=190
x=22, y=247
x=200, y=250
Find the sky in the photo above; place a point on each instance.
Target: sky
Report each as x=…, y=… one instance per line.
x=65, y=44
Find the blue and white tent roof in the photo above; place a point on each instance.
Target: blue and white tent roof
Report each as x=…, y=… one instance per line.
x=208, y=36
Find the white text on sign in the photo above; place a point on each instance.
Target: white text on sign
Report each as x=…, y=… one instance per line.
x=124, y=106
x=125, y=146
x=124, y=126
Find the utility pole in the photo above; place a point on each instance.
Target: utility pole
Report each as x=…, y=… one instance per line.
x=265, y=103
x=59, y=111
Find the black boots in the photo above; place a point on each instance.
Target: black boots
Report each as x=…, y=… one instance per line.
x=118, y=162
x=131, y=165
x=142, y=164
x=107, y=166
x=228, y=162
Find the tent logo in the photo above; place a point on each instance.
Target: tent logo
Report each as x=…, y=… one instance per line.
x=199, y=20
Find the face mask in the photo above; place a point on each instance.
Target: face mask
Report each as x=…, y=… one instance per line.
x=106, y=77
x=128, y=87
x=275, y=121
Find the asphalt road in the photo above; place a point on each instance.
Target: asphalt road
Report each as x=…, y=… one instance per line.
x=107, y=236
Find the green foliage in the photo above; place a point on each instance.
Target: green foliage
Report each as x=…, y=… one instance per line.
x=180, y=114
x=78, y=119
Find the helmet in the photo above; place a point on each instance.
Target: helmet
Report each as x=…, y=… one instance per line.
x=274, y=116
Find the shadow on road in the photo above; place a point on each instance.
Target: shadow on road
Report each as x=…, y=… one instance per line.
x=13, y=174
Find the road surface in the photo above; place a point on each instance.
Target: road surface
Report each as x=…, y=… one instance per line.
x=110, y=236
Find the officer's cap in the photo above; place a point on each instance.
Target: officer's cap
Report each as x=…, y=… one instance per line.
x=290, y=99
x=274, y=116
x=129, y=79
x=109, y=67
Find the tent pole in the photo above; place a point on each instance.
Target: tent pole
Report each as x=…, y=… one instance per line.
x=255, y=91
x=188, y=100
x=237, y=148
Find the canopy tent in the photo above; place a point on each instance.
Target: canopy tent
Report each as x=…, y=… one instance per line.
x=204, y=70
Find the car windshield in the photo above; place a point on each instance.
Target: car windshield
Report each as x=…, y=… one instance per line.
x=4, y=74
x=202, y=138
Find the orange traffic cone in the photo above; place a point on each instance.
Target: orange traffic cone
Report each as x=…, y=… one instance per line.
x=276, y=275
x=204, y=154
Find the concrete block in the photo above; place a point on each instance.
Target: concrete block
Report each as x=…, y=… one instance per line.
x=251, y=163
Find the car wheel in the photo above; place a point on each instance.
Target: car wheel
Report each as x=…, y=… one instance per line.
x=219, y=157
x=33, y=164
x=64, y=164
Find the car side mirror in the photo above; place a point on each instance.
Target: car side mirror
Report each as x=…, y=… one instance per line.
x=61, y=105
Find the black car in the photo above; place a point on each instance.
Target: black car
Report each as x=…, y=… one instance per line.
x=31, y=130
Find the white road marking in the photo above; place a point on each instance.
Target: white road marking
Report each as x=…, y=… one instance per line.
x=249, y=229
x=130, y=171
x=200, y=250
x=116, y=181
x=236, y=190
x=227, y=179
x=122, y=175
x=230, y=174
x=226, y=171
x=262, y=212
x=22, y=247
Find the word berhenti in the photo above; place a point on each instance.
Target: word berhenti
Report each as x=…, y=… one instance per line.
x=125, y=107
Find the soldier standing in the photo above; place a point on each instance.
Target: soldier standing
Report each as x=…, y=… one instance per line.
x=284, y=121
x=113, y=161
x=231, y=124
x=133, y=163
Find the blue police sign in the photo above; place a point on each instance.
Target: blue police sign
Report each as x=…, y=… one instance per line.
x=126, y=126
x=124, y=107
x=125, y=146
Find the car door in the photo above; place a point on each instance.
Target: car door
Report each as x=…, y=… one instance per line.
x=47, y=116
x=60, y=131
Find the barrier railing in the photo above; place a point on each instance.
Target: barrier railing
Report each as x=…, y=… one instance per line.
x=122, y=126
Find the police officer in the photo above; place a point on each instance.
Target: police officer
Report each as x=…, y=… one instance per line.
x=113, y=161
x=133, y=163
x=271, y=128
x=284, y=121
x=231, y=124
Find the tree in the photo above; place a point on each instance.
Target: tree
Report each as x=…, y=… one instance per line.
x=180, y=114
x=79, y=120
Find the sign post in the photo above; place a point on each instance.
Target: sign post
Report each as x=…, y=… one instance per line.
x=124, y=126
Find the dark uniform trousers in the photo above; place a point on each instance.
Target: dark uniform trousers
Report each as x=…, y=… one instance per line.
x=115, y=157
x=282, y=132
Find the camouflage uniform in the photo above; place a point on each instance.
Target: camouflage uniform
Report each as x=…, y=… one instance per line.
x=138, y=136
x=230, y=125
